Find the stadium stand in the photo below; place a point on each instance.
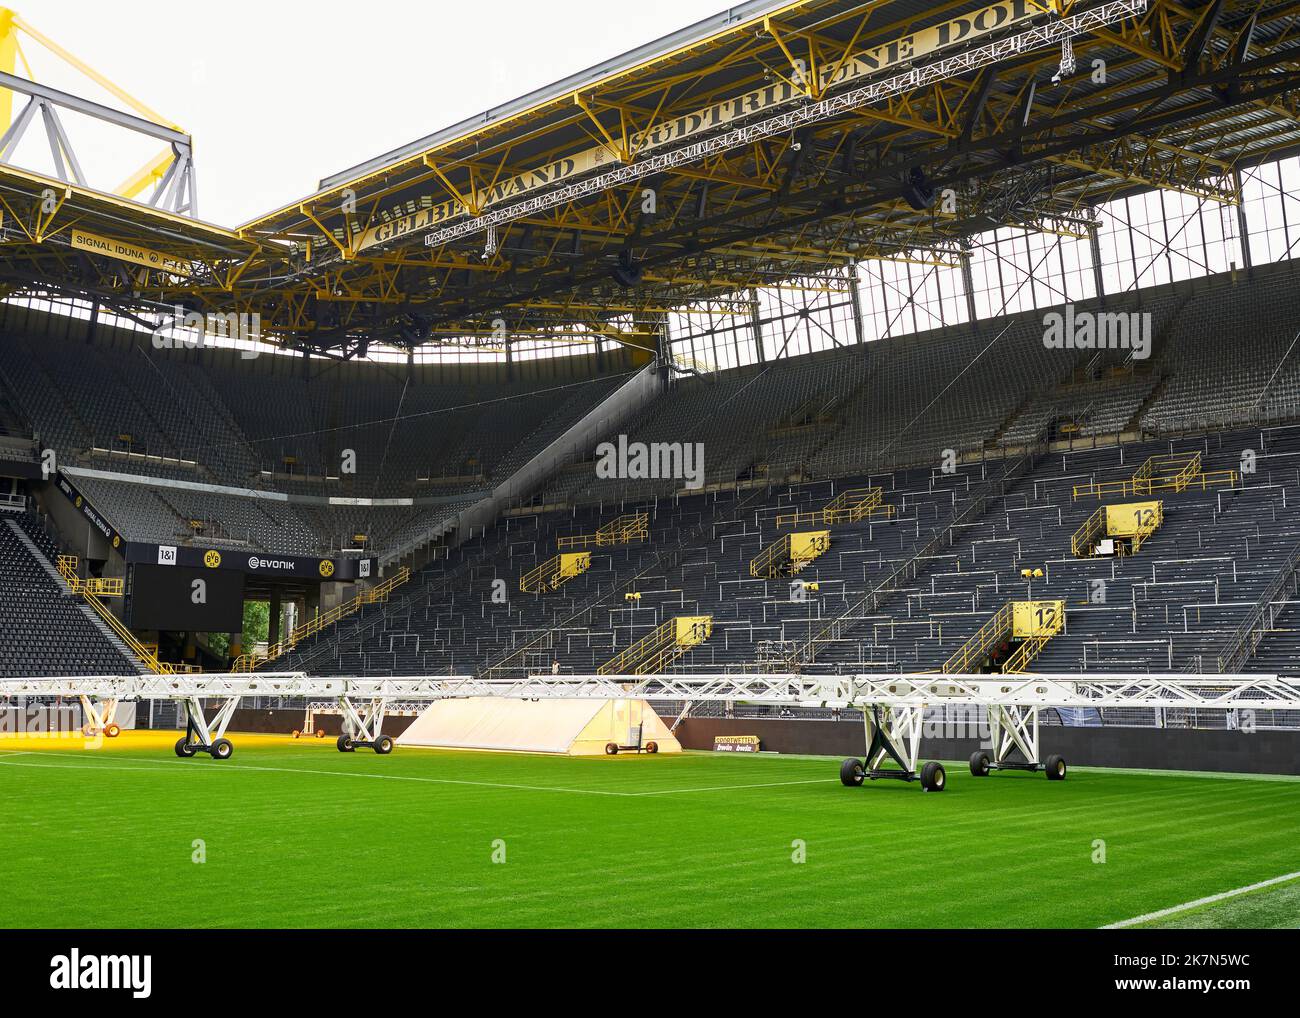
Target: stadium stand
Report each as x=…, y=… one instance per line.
x=43, y=629
x=1175, y=606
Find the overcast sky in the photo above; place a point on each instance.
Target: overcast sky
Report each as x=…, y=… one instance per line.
x=280, y=93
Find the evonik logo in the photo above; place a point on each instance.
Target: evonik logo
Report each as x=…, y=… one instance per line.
x=74, y=971
x=660, y=461
x=274, y=565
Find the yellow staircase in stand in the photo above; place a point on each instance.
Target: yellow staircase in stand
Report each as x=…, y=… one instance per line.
x=790, y=555
x=850, y=506
x=1177, y=473
x=1132, y=524
x=654, y=653
x=624, y=530
x=91, y=591
x=551, y=576
x=380, y=592
x=1032, y=623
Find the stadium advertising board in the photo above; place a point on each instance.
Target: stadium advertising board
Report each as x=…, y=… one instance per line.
x=290, y=567
x=737, y=744
x=870, y=61
x=93, y=243
x=92, y=515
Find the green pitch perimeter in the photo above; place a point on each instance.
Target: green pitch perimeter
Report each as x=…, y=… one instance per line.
x=299, y=835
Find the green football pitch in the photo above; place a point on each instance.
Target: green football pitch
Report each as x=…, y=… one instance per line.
x=295, y=834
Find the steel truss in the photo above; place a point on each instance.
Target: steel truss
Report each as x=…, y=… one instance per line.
x=894, y=706
x=176, y=189
x=974, y=59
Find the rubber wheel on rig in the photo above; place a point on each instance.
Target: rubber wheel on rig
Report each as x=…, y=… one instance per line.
x=933, y=777
x=112, y=731
x=853, y=773
x=611, y=749
x=345, y=745
x=183, y=749
x=652, y=748
x=979, y=764
x=223, y=749
x=320, y=733
x=1056, y=769
x=384, y=745
x=297, y=734
x=89, y=731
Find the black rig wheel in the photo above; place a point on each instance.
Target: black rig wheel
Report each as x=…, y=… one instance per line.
x=979, y=764
x=933, y=777
x=852, y=773
x=1056, y=769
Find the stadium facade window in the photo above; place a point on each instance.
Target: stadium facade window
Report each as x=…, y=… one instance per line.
x=1271, y=195
x=1144, y=239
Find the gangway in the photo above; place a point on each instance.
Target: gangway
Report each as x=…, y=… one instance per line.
x=1118, y=530
x=1019, y=630
x=850, y=506
x=790, y=555
x=1176, y=473
x=551, y=575
x=625, y=530
x=655, y=652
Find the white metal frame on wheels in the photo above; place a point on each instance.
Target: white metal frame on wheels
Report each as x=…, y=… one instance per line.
x=100, y=716
x=893, y=706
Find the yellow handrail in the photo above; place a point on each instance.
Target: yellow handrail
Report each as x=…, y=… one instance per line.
x=1085, y=539
x=90, y=591
x=147, y=657
x=624, y=530
x=373, y=595
x=554, y=573
x=976, y=648
x=1176, y=473
x=850, y=506
x=655, y=652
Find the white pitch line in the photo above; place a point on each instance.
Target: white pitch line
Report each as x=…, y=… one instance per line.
x=150, y=767
x=735, y=788
x=153, y=765
x=1212, y=899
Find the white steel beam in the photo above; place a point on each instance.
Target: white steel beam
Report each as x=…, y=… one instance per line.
x=1212, y=692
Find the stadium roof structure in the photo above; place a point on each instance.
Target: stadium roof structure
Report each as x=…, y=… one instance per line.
x=774, y=142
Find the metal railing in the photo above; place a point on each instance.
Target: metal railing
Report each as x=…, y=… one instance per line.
x=550, y=576
x=1240, y=646
x=655, y=652
x=373, y=595
x=975, y=509
x=624, y=530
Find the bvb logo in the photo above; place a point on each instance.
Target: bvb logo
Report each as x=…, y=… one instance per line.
x=326, y=568
x=212, y=559
x=117, y=541
x=79, y=501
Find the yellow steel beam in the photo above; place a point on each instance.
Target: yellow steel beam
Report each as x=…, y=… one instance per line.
x=8, y=64
x=148, y=175
x=119, y=93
